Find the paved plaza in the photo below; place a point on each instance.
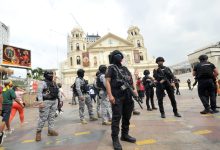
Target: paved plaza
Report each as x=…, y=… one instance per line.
x=191, y=132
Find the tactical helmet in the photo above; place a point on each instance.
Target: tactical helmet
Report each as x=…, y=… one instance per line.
x=160, y=59
x=203, y=58
x=102, y=68
x=146, y=72
x=80, y=72
x=48, y=75
x=113, y=55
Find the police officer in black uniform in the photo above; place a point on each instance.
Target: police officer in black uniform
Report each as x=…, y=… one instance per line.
x=205, y=72
x=164, y=81
x=149, y=85
x=120, y=98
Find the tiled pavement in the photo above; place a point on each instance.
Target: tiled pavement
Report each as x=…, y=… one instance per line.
x=191, y=132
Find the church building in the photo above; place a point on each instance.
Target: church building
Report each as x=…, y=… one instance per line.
x=88, y=52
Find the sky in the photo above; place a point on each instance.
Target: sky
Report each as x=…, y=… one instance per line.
x=171, y=28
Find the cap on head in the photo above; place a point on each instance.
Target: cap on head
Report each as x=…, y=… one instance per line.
x=80, y=72
x=146, y=72
x=8, y=82
x=48, y=73
x=203, y=58
x=160, y=59
x=102, y=68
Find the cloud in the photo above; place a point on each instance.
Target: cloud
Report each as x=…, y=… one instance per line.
x=175, y=27
x=170, y=28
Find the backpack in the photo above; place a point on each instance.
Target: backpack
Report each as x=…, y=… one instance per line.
x=205, y=71
x=51, y=92
x=100, y=84
x=74, y=89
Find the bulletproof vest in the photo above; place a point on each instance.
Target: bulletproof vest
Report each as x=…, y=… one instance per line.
x=147, y=84
x=164, y=73
x=74, y=89
x=117, y=82
x=51, y=92
x=83, y=87
x=204, y=71
x=100, y=84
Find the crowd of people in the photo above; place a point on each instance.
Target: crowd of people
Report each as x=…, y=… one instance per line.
x=111, y=91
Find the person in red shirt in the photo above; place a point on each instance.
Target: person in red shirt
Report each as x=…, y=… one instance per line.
x=140, y=88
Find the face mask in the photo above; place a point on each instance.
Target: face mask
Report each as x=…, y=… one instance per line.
x=49, y=77
x=81, y=74
x=160, y=65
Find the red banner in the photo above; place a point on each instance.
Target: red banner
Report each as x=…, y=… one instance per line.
x=16, y=57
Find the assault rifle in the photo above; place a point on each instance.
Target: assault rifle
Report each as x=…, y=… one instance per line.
x=194, y=84
x=126, y=85
x=164, y=75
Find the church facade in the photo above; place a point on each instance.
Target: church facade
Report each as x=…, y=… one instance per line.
x=89, y=55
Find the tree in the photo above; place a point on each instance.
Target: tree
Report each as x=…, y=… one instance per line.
x=37, y=73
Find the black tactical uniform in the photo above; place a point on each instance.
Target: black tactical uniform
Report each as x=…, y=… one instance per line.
x=149, y=90
x=123, y=106
x=204, y=72
x=164, y=78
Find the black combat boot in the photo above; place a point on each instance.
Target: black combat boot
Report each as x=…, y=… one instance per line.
x=213, y=111
x=205, y=111
x=176, y=114
x=163, y=115
x=154, y=108
x=149, y=109
x=128, y=138
x=116, y=143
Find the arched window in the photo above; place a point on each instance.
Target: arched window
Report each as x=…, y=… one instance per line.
x=71, y=61
x=138, y=43
x=77, y=46
x=95, y=61
x=128, y=59
x=78, y=60
x=84, y=47
x=141, y=56
x=71, y=47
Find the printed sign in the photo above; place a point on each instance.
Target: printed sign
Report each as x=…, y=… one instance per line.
x=16, y=57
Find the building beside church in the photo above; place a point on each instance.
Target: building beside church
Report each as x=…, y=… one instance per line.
x=88, y=52
x=4, y=37
x=212, y=51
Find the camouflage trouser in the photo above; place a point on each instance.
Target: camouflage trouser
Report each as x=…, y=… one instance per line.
x=105, y=107
x=98, y=105
x=87, y=100
x=47, y=114
x=74, y=102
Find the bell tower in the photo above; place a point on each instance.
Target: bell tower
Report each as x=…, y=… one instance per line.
x=135, y=37
x=76, y=46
